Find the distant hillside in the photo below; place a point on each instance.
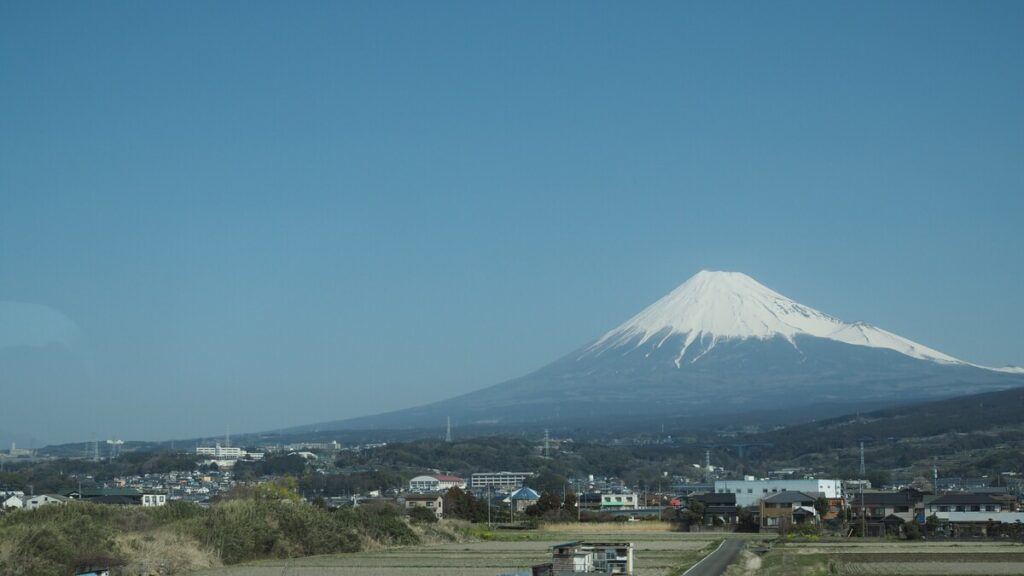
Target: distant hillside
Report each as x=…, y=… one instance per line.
x=972, y=413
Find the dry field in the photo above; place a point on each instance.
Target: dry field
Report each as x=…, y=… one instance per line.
x=887, y=558
x=658, y=553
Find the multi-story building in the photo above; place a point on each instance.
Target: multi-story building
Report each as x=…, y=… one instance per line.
x=432, y=502
x=749, y=492
x=221, y=452
x=499, y=480
x=620, y=501
x=435, y=483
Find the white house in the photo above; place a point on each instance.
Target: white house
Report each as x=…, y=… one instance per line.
x=435, y=483
x=13, y=501
x=749, y=492
x=33, y=502
x=620, y=501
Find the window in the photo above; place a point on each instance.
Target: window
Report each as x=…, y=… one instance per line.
x=990, y=508
x=943, y=508
x=750, y=490
x=975, y=508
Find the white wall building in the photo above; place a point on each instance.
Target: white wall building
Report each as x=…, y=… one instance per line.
x=503, y=480
x=219, y=452
x=13, y=501
x=620, y=501
x=435, y=483
x=33, y=502
x=749, y=492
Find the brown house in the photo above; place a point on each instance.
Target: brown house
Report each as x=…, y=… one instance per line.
x=433, y=502
x=788, y=507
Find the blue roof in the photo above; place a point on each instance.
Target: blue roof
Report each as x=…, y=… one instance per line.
x=525, y=493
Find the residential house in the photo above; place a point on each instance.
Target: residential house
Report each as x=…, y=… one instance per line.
x=433, y=502
x=719, y=508
x=962, y=502
x=521, y=499
x=574, y=558
x=877, y=506
x=13, y=501
x=33, y=502
x=788, y=507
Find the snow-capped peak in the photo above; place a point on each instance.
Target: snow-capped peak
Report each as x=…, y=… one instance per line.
x=713, y=306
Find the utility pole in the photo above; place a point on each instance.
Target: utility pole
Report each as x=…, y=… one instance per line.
x=547, y=444
x=448, y=434
x=862, y=460
x=863, y=519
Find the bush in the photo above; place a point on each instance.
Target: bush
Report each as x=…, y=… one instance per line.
x=59, y=539
x=912, y=530
x=422, y=515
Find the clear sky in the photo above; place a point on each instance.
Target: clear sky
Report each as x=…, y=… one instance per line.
x=272, y=214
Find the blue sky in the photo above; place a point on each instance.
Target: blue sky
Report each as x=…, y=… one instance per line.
x=265, y=215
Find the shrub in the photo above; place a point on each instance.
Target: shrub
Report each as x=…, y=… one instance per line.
x=422, y=515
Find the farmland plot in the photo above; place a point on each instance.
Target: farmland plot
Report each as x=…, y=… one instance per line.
x=657, y=554
x=895, y=558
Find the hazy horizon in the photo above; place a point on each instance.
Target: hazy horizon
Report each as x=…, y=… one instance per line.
x=265, y=216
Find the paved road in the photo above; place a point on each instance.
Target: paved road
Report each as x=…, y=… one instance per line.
x=714, y=564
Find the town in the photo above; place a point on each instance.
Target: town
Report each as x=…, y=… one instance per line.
x=707, y=497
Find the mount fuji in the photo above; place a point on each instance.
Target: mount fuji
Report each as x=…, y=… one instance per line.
x=720, y=343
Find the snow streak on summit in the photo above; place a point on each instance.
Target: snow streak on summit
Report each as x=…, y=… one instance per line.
x=715, y=306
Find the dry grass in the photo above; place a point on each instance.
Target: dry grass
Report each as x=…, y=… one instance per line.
x=165, y=552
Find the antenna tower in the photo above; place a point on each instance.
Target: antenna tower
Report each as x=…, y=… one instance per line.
x=448, y=433
x=547, y=444
x=862, y=460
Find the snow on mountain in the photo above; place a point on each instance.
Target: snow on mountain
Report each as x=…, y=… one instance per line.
x=715, y=306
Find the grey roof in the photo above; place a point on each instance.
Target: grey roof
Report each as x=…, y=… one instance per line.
x=716, y=498
x=884, y=499
x=789, y=496
x=964, y=498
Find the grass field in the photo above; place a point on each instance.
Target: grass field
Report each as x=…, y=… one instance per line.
x=880, y=558
x=659, y=552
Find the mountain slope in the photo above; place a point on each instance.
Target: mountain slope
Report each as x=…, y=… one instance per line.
x=720, y=343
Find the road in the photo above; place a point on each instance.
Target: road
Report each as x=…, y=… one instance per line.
x=714, y=564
